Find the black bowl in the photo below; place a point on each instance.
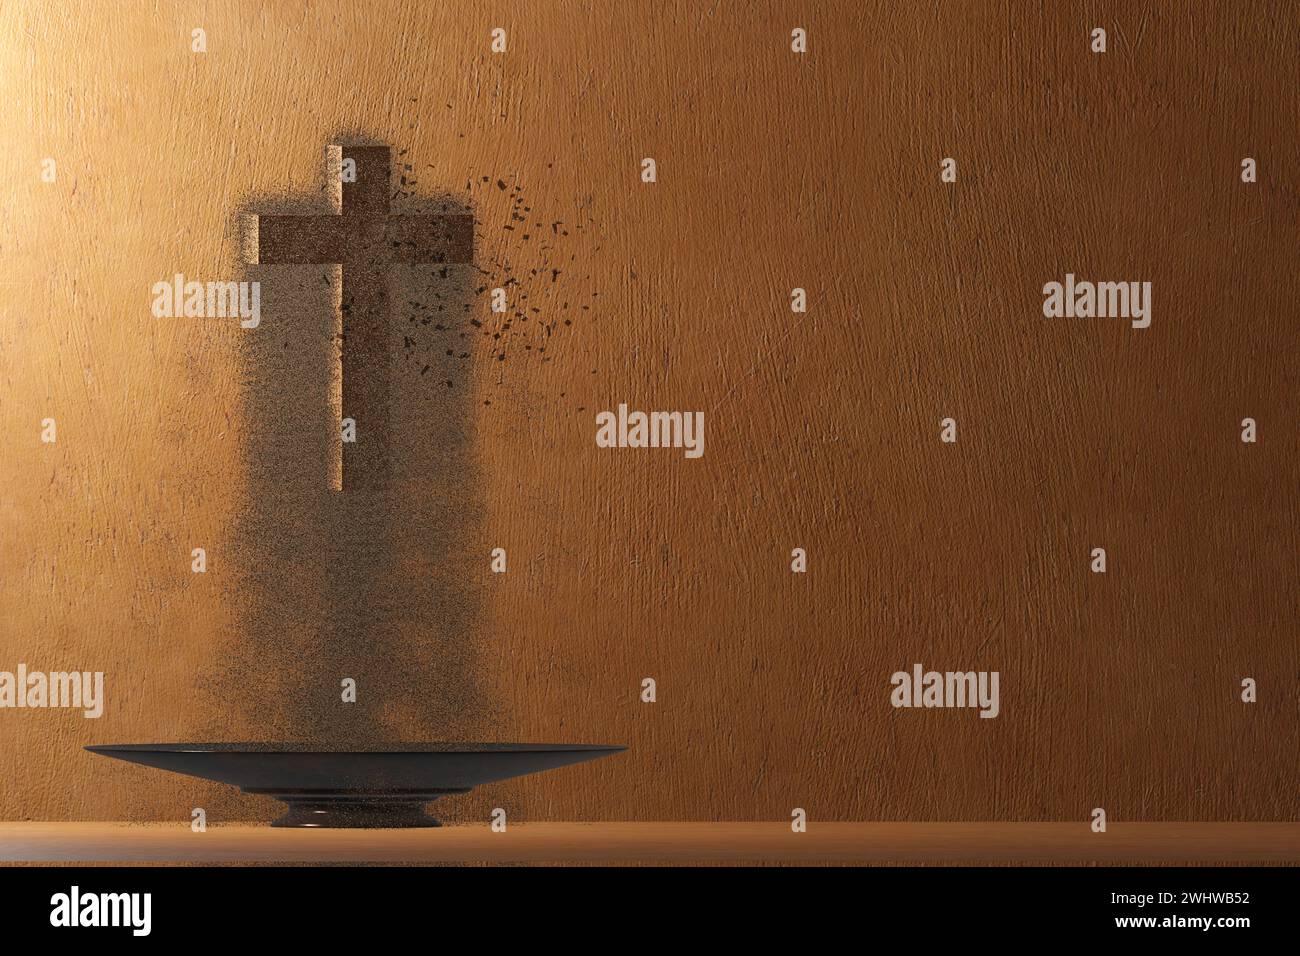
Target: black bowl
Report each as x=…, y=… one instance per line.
x=386, y=786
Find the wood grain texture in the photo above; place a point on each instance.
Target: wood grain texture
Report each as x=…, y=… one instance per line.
x=775, y=171
x=658, y=843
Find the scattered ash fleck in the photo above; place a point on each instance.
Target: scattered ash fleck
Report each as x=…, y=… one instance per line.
x=547, y=292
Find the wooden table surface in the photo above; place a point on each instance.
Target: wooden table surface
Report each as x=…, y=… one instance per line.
x=660, y=842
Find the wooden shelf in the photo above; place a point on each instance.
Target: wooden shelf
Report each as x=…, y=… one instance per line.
x=660, y=842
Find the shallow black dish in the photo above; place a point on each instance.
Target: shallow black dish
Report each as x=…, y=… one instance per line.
x=380, y=787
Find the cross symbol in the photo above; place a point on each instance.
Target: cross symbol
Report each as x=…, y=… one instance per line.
x=364, y=239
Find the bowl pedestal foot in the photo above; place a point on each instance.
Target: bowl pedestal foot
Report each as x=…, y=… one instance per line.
x=318, y=809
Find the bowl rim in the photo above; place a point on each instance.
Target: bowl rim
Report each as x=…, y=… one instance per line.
x=253, y=748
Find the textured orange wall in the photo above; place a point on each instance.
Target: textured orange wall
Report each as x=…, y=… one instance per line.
x=775, y=171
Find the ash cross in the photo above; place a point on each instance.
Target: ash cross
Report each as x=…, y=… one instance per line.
x=364, y=240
